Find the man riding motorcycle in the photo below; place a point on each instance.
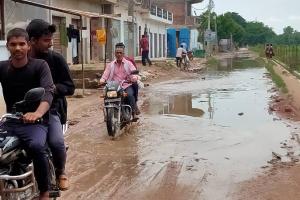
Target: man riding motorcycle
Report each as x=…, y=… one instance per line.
x=18, y=75
x=120, y=70
x=41, y=34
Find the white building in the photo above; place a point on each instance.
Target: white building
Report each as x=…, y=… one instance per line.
x=109, y=14
x=152, y=22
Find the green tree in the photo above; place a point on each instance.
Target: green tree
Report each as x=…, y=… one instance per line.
x=258, y=33
x=227, y=26
x=237, y=18
x=244, y=32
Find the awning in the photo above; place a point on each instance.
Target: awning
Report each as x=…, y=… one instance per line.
x=66, y=10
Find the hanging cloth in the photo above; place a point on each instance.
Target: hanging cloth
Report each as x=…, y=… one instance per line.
x=101, y=36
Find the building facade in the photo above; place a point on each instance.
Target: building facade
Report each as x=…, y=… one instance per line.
x=184, y=27
x=123, y=21
x=148, y=20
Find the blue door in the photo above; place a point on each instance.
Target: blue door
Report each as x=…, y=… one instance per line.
x=184, y=37
x=171, y=42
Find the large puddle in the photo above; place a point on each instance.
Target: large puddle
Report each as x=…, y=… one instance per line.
x=197, y=139
x=217, y=127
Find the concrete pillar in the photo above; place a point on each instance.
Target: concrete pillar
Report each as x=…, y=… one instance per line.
x=69, y=49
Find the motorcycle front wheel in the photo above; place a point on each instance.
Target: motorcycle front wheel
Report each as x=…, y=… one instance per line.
x=112, y=121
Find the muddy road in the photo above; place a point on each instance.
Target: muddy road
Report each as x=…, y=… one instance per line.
x=197, y=138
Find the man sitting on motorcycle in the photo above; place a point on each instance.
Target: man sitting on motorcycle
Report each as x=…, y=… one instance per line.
x=18, y=75
x=120, y=70
x=135, y=85
x=41, y=35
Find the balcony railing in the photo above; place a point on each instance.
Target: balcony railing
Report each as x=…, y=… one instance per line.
x=161, y=13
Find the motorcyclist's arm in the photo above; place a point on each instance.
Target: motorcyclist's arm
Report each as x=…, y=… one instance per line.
x=105, y=75
x=133, y=78
x=46, y=82
x=32, y=117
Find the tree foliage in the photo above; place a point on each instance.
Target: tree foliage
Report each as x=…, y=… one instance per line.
x=244, y=32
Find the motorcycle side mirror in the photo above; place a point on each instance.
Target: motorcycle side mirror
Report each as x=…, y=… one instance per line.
x=135, y=72
x=34, y=95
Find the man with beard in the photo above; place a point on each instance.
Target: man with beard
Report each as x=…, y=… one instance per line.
x=41, y=35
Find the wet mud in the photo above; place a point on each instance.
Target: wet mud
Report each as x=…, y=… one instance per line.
x=197, y=138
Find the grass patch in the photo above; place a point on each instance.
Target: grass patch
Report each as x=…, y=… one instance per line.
x=247, y=63
x=212, y=62
x=260, y=61
x=275, y=77
x=259, y=49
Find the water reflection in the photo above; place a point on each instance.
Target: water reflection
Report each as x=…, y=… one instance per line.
x=210, y=108
x=226, y=63
x=181, y=105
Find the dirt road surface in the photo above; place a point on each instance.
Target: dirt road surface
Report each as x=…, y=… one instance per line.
x=201, y=136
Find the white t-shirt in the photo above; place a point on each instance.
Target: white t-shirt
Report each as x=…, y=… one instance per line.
x=179, y=52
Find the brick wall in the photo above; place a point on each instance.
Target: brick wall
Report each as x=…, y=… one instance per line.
x=177, y=8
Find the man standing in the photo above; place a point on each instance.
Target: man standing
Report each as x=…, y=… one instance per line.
x=120, y=70
x=18, y=75
x=267, y=51
x=179, y=53
x=144, y=46
x=41, y=35
x=271, y=51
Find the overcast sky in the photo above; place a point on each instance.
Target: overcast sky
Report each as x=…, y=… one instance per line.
x=277, y=14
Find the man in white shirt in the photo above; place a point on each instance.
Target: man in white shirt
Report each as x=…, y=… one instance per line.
x=179, y=53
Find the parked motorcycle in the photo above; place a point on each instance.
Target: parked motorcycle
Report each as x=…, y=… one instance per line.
x=17, y=181
x=185, y=61
x=117, y=111
x=190, y=55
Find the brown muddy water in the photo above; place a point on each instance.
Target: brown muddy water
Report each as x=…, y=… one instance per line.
x=213, y=132
x=196, y=139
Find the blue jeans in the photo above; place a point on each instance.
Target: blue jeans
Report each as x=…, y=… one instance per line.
x=131, y=98
x=34, y=136
x=56, y=143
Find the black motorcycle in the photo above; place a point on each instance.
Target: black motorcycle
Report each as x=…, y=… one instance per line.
x=17, y=180
x=117, y=111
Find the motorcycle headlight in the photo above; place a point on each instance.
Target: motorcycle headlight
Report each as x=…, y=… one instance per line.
x=111, y=94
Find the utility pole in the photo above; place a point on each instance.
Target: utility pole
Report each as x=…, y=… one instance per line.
x=131, y=5
x=208, y=48
x=216, y=31
x=209, y=11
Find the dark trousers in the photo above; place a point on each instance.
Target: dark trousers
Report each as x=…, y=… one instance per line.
x=56, y=143
x=34, y=136
x=178, y=61
x=135, y=87
x=131, y=98
x=145, y=57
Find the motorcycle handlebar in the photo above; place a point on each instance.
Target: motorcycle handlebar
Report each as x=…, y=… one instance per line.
x=19, y=117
